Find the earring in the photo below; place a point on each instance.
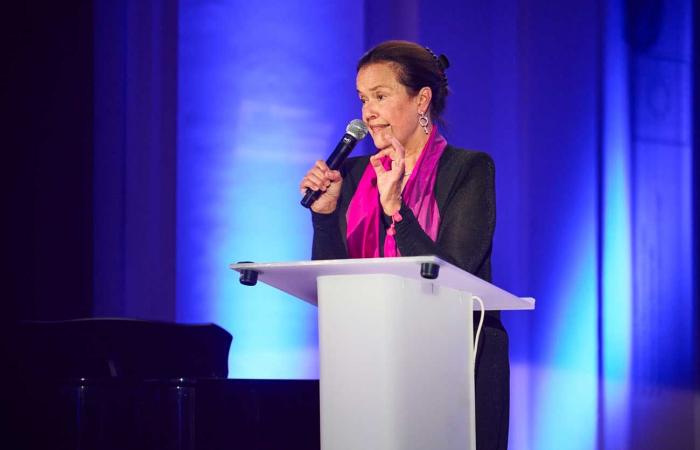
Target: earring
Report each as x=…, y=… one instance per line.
x=423, y=121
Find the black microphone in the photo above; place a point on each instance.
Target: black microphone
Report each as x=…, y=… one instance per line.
x=355, y=131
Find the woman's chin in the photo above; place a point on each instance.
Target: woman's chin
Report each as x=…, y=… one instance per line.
x=381, y=143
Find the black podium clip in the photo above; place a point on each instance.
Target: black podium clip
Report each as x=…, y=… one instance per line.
x=429, y=270
x=249, y=277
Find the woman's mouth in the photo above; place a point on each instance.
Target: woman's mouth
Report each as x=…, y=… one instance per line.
x=376, y=129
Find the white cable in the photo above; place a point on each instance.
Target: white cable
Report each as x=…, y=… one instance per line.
x=481, y=322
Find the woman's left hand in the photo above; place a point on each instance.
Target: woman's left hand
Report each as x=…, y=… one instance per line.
x=389, y=182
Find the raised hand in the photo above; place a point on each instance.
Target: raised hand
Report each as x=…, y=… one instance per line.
x=390, y=182
x=329, y=182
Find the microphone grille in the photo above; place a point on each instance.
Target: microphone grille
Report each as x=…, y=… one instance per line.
x=357, y=129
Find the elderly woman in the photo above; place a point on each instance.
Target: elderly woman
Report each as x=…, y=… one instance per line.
x=417, y=195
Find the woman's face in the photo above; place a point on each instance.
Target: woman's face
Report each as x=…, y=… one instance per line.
x=387, y=107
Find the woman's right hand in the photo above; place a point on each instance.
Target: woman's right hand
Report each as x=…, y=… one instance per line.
x=329, y=182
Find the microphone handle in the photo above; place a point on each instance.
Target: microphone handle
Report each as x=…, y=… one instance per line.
x=340, y=153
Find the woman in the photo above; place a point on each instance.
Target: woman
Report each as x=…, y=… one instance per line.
x=416, y=196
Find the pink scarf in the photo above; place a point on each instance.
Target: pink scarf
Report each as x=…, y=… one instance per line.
x=363, y=216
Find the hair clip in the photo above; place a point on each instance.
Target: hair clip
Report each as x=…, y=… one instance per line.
x=442, y=63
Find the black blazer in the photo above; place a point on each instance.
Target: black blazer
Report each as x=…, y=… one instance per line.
x=466, y=200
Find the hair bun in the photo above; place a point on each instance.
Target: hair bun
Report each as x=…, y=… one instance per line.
x=444, y=62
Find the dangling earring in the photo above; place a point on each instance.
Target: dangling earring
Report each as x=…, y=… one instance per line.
x=423, y=121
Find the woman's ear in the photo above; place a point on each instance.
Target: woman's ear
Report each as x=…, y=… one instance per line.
x=425, y=95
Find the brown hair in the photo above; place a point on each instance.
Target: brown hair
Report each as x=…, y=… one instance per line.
x=416, y=67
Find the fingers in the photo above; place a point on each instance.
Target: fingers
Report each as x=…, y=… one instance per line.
x=395, y=152
x=397, y=155
x=314, y=183
x=334, y=175
x=398, y=161
x=376, y=162
x=318, y=180
x=398, y=148
x=389, y=151
x=398, y=166
x=319, y=177
x=321, y=164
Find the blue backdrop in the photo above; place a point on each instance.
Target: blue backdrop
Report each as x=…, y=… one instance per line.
x=264, y=90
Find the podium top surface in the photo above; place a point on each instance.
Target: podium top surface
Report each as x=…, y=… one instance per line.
x=299, y=278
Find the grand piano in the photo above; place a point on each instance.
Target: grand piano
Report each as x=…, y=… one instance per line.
x=131, y=384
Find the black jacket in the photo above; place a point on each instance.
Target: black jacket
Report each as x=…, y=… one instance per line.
x=465, y=195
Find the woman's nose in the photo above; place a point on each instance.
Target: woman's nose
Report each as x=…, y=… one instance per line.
x=368, y=112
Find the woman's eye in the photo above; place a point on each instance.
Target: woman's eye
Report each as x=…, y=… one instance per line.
x=380, y=97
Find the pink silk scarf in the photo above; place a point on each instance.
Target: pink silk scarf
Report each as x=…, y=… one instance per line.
x=364, y=210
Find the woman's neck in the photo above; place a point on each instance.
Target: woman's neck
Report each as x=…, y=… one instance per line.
x=414, y=149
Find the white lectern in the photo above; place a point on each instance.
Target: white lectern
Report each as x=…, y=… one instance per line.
x=395, y=349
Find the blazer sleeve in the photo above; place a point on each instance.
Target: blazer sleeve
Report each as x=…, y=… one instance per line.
x=329, y=229
x=327, y=241
x=467, y=221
